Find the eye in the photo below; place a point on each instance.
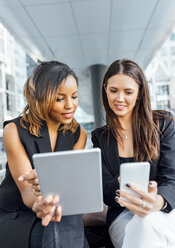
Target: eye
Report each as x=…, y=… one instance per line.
x=59, y=99
x=113, y=91
x=74, y=97
x=129, y=92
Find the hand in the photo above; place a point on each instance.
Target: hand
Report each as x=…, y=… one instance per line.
x=31, y=177
x=149, y=202
x=47, y=210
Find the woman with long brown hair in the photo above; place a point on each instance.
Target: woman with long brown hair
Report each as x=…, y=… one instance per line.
x=46, y=125
x=134, y=133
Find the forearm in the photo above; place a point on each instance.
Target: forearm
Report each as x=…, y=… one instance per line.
x=28, y=197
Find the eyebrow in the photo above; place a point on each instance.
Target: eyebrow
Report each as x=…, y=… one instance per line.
x=124, y=89
x=62, y=94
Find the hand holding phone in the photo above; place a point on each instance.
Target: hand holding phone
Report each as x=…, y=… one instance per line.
x=136, y=173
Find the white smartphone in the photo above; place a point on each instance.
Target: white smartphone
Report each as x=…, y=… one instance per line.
x=136, y=173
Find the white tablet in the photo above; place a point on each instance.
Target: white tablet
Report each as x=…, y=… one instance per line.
x=75, y=176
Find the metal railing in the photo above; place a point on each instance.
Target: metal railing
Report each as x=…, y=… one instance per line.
x=2, y=174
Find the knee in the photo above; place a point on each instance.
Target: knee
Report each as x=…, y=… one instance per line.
x=149, y=222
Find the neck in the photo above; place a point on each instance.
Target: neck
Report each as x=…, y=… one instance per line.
x=52, y=125
x=125, y=122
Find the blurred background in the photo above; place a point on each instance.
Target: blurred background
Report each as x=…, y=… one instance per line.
x=88, y=35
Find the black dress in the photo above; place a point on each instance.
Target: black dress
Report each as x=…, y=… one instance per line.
x=17, y=220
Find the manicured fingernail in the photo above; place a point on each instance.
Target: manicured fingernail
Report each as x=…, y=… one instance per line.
x=117, y=192
x=55, y=200
x=116, y=198
x=48, y=199
x=21, y=178
x=128, y=185
x=59, y=209
x=52, y=209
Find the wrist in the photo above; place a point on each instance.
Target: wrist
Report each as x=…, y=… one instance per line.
x=166, y=208
x=159, y=203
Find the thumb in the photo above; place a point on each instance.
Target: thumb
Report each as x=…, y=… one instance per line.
x=152, y=187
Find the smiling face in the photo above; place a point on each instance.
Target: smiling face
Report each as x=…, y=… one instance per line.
x=66, y=103
x=122, y=93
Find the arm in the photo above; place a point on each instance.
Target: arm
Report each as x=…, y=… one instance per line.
x=18, y=162
x=110, y=180
x=166, y=166
x=165, y=186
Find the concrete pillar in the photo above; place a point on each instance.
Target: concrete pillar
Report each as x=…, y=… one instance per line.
x=97, y=73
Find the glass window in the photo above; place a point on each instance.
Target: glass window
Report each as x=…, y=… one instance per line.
x=0, y=76
x=9, y=82
x=1, y=46
x=163, y=105
x=163, y=51
x=10, y=101
x=172, y=50
x=162, y=90
x=172, y=36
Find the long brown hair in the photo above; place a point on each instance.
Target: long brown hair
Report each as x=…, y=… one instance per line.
x=145, y=122
x=41, y=91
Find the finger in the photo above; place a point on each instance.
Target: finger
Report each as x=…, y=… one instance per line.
x=28, y=175
x=37, y=204
x=36, y=188
x=133, y=208
x=47, y=200
x=46, y=219
x=143, y=194
x=58, y=214
x=135, y=200
x=37, y=193
x=119, y=179
x=152, y=187
x=33, y=181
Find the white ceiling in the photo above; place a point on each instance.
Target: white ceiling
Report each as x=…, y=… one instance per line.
x=87, y=32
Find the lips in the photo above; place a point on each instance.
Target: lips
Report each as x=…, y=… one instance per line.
x=68, y=115
x=120, y=106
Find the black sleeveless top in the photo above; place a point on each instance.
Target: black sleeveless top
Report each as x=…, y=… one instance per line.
x=10, y=197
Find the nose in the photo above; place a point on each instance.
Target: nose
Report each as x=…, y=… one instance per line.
x=120, y=97
x=68, y=103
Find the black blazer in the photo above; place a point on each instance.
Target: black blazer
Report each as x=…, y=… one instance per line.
x=162, y=169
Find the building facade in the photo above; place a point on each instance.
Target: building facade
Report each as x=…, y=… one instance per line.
x=161, y=76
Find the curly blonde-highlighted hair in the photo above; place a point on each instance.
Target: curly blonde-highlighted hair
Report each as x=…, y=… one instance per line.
x=41, y=91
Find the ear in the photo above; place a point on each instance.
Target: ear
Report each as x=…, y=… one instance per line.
x=105, y=87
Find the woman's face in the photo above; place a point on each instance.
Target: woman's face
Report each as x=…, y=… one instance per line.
x=66, y=103
x=122, y=93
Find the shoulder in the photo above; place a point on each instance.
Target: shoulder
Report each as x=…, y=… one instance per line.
x=166, y=121
x=100, y=130
x=16, y=121
x=10, y=135
x=80, y=138
x=166, y=124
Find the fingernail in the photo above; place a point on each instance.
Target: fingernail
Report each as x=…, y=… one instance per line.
x=59, y=209
x=21, y=178
x=55, y=200
x=48, y=199
x=117, y=192
x=116, y=198
x=128, y=185
x=52, y=209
